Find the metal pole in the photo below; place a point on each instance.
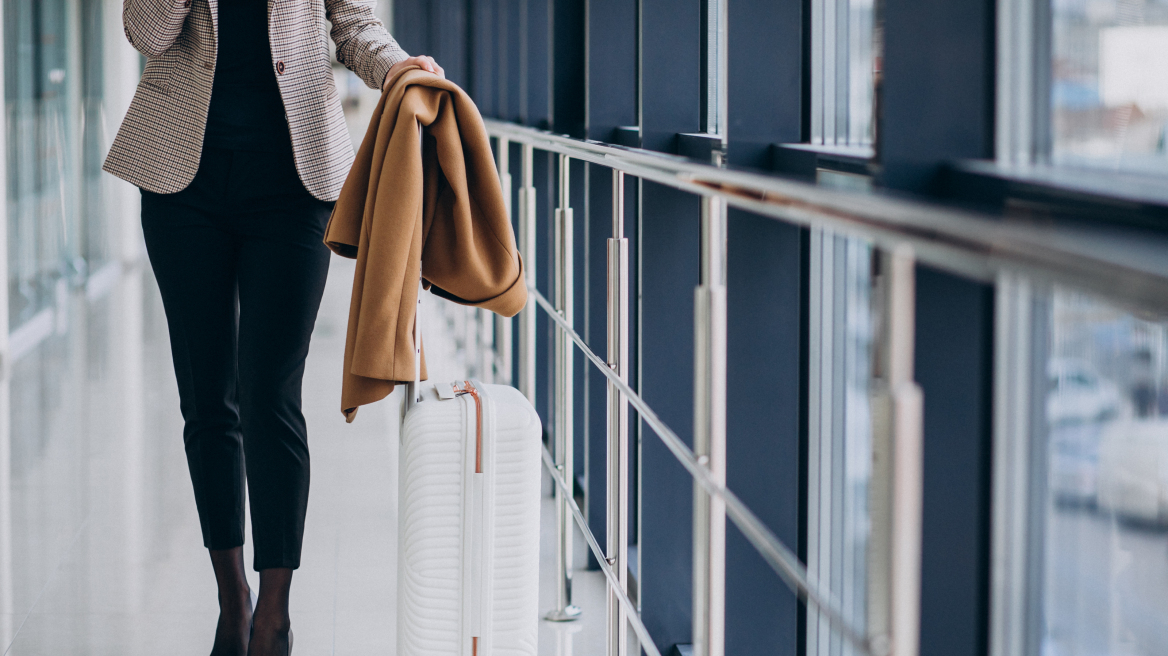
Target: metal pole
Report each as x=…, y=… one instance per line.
x=527, y=236
x=709, y=534
x=618, y=417
x=564, y=610
x=503, y=325
x=907, y=456
x=503, y=163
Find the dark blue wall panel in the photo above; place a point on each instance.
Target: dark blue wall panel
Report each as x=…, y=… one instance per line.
x=954, y=356
x=612, y=67
x=671, y=86
x=669, y=273
x=544, y=168
x=937, y=96
x=765, y=86
x=670, y=94
x=612, y=78
x=568, y=84
x=765, y=400
x=485, y=40
x=533, y=79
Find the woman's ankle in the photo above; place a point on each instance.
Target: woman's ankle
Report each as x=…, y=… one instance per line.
x=231, y=578
x=275, y=620
x=235, y=599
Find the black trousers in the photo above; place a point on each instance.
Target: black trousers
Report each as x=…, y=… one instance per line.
x=241, y=266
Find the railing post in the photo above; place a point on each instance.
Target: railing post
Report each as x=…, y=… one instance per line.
x=565, y=611
x=709, y=532
x=894, y=577
x=907, y=456
x=618, y=417
x=527, y=235
x=502, y=325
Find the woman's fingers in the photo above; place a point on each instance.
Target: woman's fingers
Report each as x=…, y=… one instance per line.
x=428, y=64
x=425, y=62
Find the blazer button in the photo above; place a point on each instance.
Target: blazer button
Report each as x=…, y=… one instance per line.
x=186, y=3
x=280, y=67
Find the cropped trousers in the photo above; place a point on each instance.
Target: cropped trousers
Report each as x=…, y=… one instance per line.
x=240, y=262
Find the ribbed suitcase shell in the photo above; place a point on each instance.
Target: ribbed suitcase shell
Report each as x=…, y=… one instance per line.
x=468, y=543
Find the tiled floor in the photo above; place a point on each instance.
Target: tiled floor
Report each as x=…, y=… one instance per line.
x=100, y=552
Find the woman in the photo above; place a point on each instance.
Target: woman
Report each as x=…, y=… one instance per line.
x=237, y=140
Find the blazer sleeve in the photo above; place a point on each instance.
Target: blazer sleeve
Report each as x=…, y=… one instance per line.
x=363, y=44
x=152, y=26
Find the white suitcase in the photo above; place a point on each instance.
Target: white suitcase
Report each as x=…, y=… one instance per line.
x=468, y=533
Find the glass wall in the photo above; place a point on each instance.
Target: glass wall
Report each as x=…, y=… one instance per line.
x=1109, y=93
x=844, y=62
x=840, y=431
x=1105, y=547
x=56, y=219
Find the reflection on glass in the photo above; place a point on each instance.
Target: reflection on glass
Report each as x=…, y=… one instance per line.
x=1106, y=546
x=840, y=430
x=1109, y=88
x=57, y=229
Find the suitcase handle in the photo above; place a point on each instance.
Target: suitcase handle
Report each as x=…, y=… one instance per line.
x=414, y=389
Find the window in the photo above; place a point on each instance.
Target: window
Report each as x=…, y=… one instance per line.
x=843, y=325
x=1109, y=90
x=844, y=60
x=1081, y=487
x=57, y=227
x=1107, y=495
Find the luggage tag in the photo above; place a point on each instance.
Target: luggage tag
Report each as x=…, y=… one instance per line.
x=445, y=391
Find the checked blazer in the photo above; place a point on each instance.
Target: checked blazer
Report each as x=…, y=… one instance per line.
x=160, y=141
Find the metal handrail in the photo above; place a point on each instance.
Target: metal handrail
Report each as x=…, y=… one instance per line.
x=639, y=628
x=720, y=189
x=1127, y=266
x=713, y=502
x=776, y=554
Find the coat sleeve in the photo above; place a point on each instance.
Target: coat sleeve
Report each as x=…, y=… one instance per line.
x=152, y=26
x=363, y=44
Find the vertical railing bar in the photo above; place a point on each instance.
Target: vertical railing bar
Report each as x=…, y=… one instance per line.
x=632, y=613
x=1012, y=464
x=618, y=419
x=503, y=163
x=781, y=559
x=502, y=326
x=723, y=72
x=709, y=532
x=564, y=611
x=907, y=456
x=814, y=425
x=527, y=240
x=710, y=322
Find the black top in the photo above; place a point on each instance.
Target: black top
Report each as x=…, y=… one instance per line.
x=247, y=112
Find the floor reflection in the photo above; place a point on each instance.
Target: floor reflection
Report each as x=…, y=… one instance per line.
x=100, y=550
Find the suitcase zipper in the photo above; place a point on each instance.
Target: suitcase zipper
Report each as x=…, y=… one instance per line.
x=477, y=522
x=474, y=393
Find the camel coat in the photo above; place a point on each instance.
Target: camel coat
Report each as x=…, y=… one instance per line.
x=406, y=208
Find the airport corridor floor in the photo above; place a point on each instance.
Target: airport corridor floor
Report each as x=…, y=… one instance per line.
x=100, y=551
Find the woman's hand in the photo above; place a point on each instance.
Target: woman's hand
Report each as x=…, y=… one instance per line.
x=425, y=62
